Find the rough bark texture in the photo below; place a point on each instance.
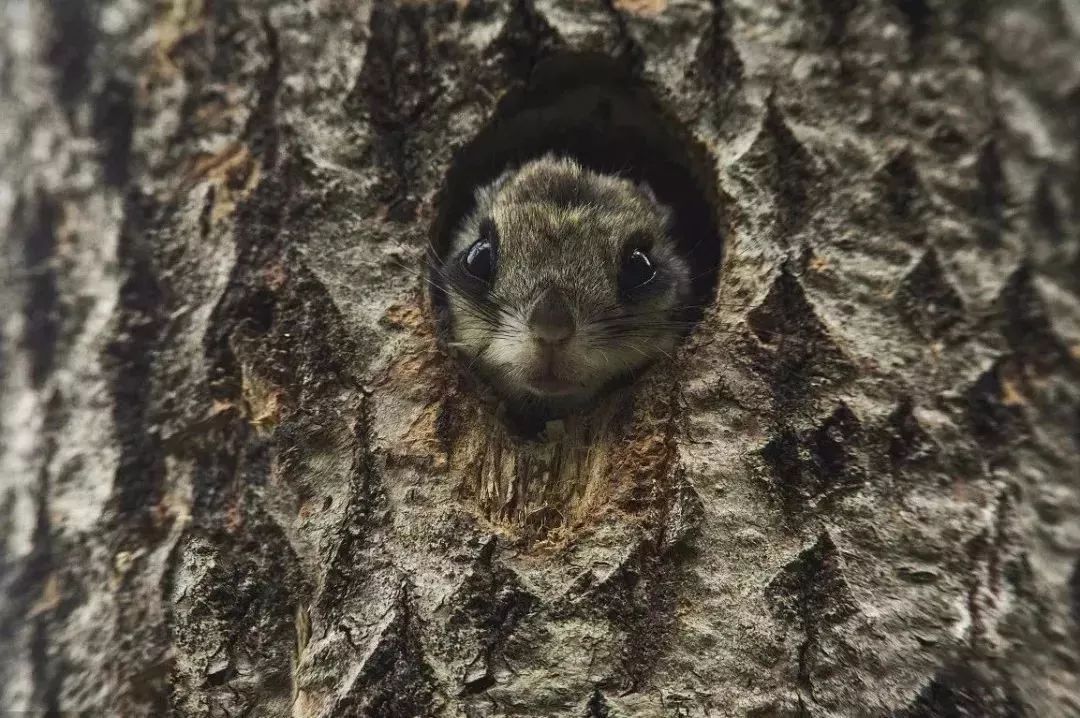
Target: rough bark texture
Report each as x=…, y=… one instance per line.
x=238, y=477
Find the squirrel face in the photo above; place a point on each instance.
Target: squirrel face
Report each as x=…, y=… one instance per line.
x=563, y=282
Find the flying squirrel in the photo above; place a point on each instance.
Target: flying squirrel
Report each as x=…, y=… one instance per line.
x=563, y=283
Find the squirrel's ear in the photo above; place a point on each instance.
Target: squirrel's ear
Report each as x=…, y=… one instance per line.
x=503, y=179
x=485, y=194
x=646, y=190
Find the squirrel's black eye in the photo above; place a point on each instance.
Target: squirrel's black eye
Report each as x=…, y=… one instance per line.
x=637, y=270
x=479, y=259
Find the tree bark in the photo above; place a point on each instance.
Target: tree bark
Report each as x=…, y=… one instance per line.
x=238, y=475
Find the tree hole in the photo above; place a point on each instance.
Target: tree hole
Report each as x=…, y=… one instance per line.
x=591, y=109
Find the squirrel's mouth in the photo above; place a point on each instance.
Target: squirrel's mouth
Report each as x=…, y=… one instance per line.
x=550, y=378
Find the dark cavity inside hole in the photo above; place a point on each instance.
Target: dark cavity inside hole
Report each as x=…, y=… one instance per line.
x=590, y=107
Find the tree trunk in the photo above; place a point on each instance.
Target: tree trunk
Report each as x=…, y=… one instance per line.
x=239, y=476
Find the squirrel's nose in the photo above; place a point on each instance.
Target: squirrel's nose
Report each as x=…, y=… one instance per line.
x=551, y=319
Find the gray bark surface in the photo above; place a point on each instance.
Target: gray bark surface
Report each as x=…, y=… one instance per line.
x=238, y=476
